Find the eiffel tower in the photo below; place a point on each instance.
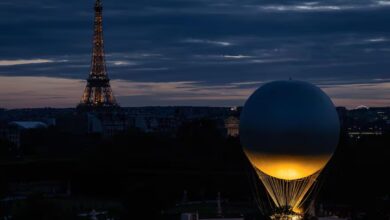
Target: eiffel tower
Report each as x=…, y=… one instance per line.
x=98, y=91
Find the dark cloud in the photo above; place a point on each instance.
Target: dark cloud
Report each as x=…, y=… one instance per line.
x=212, y=42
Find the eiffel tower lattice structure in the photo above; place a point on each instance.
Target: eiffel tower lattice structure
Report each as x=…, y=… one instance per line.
x=98, y=92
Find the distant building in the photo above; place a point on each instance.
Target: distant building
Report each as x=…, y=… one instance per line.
x=155, y=124
x=95, y=125
x=28, y=124
x=232, y=125
x=356, y=123
x=107, y=124
x=13, y=131
x=357, y=133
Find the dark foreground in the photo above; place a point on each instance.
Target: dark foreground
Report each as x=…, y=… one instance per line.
x=137, y=175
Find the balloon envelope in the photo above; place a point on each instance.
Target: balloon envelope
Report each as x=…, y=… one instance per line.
x=289, y=129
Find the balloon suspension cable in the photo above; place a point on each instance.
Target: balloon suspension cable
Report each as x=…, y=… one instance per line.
x=255, y=191
x=288, y=196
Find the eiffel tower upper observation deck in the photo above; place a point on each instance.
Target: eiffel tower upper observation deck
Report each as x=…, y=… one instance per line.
x=98, y=91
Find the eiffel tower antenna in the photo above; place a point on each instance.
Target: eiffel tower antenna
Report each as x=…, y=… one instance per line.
x=98, y=91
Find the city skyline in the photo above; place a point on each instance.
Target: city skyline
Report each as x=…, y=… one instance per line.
x=208, y=53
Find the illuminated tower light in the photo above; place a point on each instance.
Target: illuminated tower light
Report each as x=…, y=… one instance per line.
x=98, y=92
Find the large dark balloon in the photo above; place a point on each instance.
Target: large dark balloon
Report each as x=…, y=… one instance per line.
x=289, y=129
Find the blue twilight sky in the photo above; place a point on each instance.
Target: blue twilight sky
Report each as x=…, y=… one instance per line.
x=195, y=52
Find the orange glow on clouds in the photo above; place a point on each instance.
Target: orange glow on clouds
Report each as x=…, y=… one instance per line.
x=26, y=92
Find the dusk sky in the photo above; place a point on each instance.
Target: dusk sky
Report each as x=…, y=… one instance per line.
x=194, y=52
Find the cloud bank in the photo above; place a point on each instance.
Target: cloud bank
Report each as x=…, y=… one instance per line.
x=200, y=48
